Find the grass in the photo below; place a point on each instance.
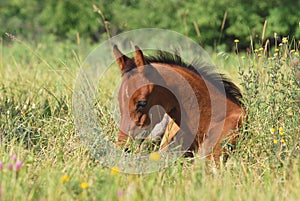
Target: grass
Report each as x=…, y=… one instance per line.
x=36, y=124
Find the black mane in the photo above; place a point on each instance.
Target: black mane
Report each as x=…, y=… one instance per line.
x=207, y=72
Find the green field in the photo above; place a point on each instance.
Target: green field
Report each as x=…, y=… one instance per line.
x=37, y=125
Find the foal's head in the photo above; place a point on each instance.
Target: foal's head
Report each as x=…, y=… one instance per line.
x=137, y=95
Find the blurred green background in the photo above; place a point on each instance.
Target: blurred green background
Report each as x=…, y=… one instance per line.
x=214, y=23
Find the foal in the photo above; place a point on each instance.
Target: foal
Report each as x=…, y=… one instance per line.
x=205, y=115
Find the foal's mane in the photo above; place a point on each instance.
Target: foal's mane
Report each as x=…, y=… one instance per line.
x=220, y=81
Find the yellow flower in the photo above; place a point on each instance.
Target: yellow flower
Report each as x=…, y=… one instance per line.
x=259, y=55
x=154, y=156
x=261, y=49
x=272, y=130
x=242, y=57
x=282, y=140
x=276, y=50
x=115, y=170
x=256, y=50
x=65, y=179
x=84, y=185
x=275, y=141
x=280, y=129
x=285, y=40
x=236, y=40
x=292, y=51
x=296, y=53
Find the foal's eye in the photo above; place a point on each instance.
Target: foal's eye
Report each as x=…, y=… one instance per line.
x=141, y=104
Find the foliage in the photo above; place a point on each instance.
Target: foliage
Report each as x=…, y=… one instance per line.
x=64, y=19
x=36, y=124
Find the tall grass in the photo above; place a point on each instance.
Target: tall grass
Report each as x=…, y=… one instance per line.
x=36, y=124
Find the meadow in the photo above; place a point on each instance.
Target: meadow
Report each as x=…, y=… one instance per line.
x=42, y=157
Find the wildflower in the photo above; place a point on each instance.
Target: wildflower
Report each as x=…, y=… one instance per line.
x=292, y=51
x=18, y=165
x=275, y=141
x=120, y=193
x=284, y=39
x=236, y=40
x=65, y=179
x=10, y=166
x=261, y=49
x=280, y=131
x=282, y=141
x=280, y=44
x=276, y=50
x=296, y=53
x=242, y=57
x=13, y=157
x=114, y=170
x=272, y=130
x=154, y=156
x=84, y=185
x=1, y=166
x=259, y=55
x=256, y=50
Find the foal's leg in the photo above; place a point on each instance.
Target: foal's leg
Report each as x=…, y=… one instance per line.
x=170, y=131
x=157, y=133
x=159, y=129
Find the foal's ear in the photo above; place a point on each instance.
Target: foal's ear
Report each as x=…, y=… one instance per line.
x=139, y=58
x=124, y=62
